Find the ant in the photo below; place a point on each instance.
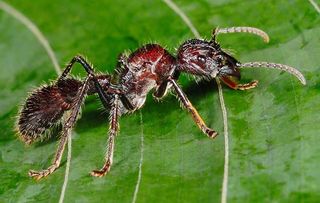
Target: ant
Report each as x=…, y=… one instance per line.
x=150, y=67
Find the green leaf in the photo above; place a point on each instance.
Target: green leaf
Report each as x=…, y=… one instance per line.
x=273, y=129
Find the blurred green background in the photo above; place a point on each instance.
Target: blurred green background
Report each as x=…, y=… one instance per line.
x=274, y=142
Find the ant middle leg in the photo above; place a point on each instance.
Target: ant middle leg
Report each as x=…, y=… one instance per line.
x=66, y=132
x=113, y=131
x=195, y=115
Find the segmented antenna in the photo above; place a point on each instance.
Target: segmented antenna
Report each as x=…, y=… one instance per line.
x=283, y=67
x=251, y=30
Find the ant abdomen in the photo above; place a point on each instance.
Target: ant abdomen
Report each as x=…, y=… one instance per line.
x=45, y=107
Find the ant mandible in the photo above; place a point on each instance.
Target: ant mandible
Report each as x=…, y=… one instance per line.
x=150, y=67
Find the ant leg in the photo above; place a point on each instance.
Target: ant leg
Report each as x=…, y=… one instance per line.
x=113, y=130
x=164, y=86
x=90, y=72
x=67, y=127
x=195, y=115
x=161, y=90
x=82, y=61
x=101, y=93
x=234, y=85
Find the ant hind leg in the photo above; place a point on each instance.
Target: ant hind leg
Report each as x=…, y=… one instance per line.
x=67, y=127
x=101, y=92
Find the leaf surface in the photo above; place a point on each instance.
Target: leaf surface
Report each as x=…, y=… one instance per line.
x=273, y=129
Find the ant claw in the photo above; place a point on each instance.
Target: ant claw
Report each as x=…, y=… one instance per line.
x=248, y=86
x=98, y=173
x=37, y=175
x=211, y=133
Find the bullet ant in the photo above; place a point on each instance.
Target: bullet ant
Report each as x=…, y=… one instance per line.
x=150, y=67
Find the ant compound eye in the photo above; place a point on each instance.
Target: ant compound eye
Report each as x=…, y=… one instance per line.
x=202, y=59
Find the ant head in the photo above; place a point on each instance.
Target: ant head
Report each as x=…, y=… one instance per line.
x=206, y=59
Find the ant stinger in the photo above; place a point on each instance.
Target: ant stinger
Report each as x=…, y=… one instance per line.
x=150, y=67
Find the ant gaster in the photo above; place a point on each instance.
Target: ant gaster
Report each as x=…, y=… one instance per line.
x=150, y=67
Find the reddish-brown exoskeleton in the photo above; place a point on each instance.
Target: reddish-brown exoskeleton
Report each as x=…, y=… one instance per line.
x=150, y=67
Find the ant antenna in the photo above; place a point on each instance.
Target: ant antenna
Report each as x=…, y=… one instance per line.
x=283, y=67
x=251, y=30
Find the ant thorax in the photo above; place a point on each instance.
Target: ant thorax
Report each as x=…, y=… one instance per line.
x=144, y=70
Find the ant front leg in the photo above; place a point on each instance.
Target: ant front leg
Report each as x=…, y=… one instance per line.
x=161, y=90
x=195, y=115
x=66, y=132
x=113, y=130
x=234, y=85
